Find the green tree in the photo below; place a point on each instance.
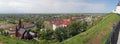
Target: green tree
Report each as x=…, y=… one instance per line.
x=39, y=25
x=76, y=27
x=60, y=34
x=46, y=34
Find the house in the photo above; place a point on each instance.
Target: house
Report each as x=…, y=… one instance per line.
x=60, y=24
x=117, y=10
x=21, y=31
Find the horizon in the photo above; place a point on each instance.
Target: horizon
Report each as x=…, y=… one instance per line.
x=55, y=13
x=57, y=6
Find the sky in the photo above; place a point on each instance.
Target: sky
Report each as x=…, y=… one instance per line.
x=57, y=6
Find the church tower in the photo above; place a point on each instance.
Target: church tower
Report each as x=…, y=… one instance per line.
x=117, y=10
x=20, y=23
x=18, y=28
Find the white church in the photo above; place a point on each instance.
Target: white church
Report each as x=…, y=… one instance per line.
x=117, y=10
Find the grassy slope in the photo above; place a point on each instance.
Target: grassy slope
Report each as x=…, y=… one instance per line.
x=92, y=32
x=6, y=40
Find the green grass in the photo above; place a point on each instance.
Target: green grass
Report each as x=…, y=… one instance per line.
x=84, y=37
x=7, y=40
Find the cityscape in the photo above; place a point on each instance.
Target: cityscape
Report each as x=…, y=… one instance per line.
x=59, y=22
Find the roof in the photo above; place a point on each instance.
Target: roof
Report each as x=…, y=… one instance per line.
x=21, y=30
x=62, y=23
x=28, y=25
x=25, y=26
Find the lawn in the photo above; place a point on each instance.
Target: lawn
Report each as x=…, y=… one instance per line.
x=87, y=37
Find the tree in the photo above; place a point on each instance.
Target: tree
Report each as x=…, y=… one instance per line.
x=60, y=34
x=46, y=34
x=39, y=25
x=76, y=27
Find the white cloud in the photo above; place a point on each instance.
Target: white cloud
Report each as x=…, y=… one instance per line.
x=49, y=6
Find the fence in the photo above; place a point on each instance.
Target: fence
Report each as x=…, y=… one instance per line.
x=114, y=34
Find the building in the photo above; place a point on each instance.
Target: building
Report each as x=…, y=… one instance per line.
x=117, y=10
x=61, y=24
x=21, y=31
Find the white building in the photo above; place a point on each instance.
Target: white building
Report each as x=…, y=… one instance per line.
x=61, y=24
x=117, y=10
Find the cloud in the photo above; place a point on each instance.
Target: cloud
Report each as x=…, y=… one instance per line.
x=49, y=6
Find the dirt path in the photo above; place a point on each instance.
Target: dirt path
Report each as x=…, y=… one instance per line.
x=97, y=39
x=1, y=42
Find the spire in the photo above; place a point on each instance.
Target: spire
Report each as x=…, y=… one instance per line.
x=118, y=3
x=20, y=23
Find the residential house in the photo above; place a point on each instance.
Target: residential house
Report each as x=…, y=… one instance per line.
x=61, y=24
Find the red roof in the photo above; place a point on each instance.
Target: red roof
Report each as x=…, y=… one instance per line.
x=62, y=23
x=66, y=23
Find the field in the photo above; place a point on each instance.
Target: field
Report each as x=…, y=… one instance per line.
x=98, y=34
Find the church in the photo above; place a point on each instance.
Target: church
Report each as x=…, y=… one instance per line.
x=117, y=10
x=21, y=31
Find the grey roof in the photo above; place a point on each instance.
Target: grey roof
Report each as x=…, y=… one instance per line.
x=21, y=30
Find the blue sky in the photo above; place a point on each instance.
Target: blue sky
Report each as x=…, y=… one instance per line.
x=57, y=6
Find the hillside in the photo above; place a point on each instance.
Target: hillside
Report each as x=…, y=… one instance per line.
x=98, y=34
x=6, y=40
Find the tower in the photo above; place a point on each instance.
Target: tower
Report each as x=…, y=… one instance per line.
x=20, y=23
x=117, y=10
x=18, y=28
